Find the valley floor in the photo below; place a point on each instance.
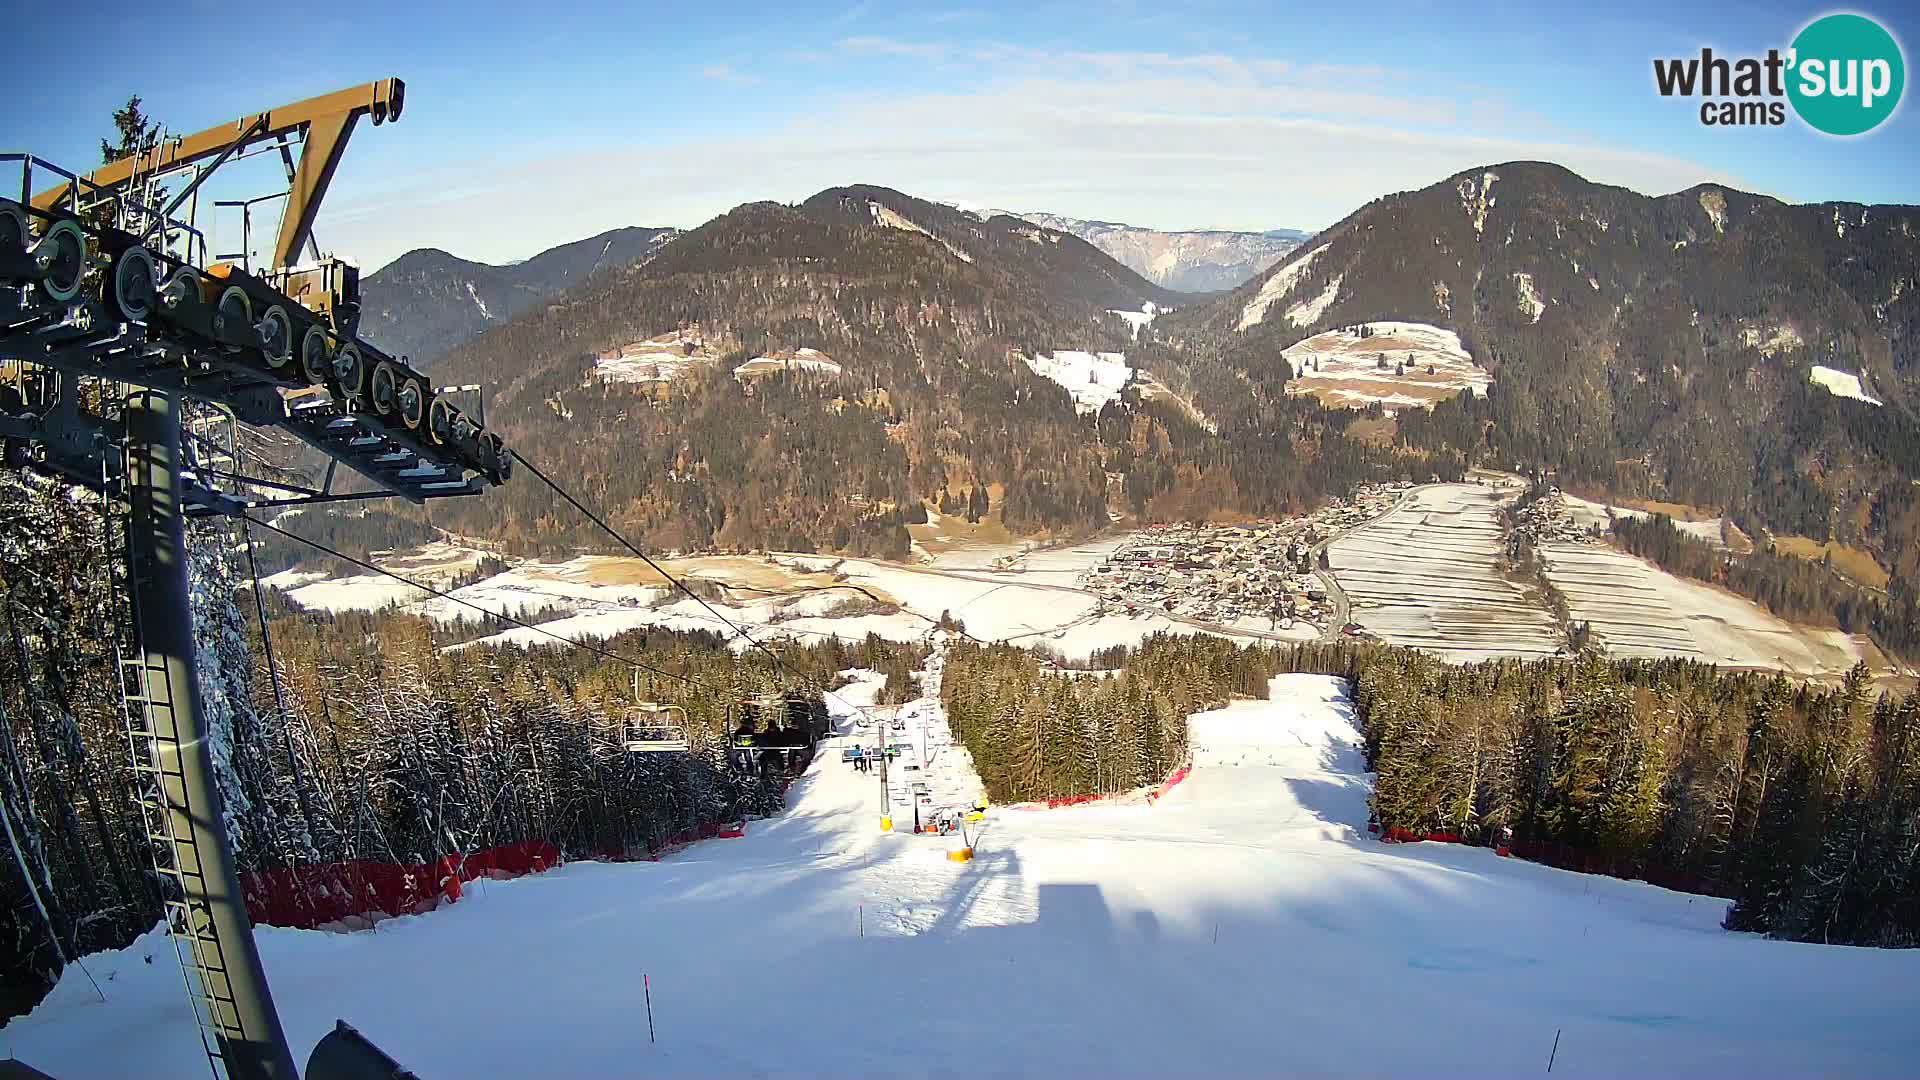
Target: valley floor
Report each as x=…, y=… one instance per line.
x=1245, y=924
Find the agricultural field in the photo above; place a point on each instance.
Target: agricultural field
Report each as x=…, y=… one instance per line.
x=1423, y=365
x=1856, y=564
x=1426, y=575
x=1638, y=609
x=1001, y=592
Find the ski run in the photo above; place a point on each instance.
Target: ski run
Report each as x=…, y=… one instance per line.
x=1245, y=924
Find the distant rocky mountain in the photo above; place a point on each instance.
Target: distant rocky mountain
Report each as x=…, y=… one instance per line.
x=1201, y=260
x=428, y=301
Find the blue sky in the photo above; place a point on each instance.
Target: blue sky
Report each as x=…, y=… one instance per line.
x=530, y=125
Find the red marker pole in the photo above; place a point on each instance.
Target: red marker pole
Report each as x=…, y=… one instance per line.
x=648, y=987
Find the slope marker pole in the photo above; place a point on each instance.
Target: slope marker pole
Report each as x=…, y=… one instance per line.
x=1556, y=1049
x=647, y=986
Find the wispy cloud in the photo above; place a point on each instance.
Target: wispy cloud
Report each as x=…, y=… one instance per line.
x=853, y=14
x=726, y=73
x=1158, y=137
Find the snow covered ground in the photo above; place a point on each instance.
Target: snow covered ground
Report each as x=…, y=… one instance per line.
x=1137, y=319
x=798, y=360
x=1638, y=609
x=1012, y=593
x=1588, y=514
x=657, y=359
x=1092, y=378
x=1841, y=384
x=1425, y=575
x=1342, y=368
x=1245, y=925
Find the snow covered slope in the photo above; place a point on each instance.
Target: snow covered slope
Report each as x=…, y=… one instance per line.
x=1245, y=925
x=1092, y=378
x=1841, y=384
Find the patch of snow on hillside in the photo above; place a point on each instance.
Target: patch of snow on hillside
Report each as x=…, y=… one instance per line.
x=657, y=359
x=1277, y=286
x=1477, y=199
x=479, y=303
x=1715, y=204
x=1771, y=339
x=1092, y=378
x=885, y=215
x=1841, y=384
x=1530, y=302
x=1341, y=367
x=1137, y=319
x=800, y=360
x=1306, y=311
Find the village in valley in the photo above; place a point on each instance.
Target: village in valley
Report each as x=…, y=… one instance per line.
x=1261, y=576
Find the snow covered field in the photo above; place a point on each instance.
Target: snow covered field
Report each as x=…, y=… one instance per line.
x=1342, y=368
x=657, y=359
x=1245, y=925
x=1014, y=593
x=1841, y=384
x=1092, y=378
x=1588, y=514
x=1638, y=609
x=1424, y=575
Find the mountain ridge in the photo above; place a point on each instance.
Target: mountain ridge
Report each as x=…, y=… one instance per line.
x=429, y=300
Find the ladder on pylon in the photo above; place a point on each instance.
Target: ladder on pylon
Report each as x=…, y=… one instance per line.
x=146, y=709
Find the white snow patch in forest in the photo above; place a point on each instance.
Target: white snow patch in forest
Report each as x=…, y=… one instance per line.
x=1770, y=339
x=1589, y=515
x=1477, y=198
x=1841, y=384
x=1530, y=303
x=482, y=304
x=798, y=360
x=1715, y=205
x=1280, y=281
x=893, y=219
x=1092, y=378
x=1137, y=319
x=1306, y=311
x=1135, y=930
x=661, y=358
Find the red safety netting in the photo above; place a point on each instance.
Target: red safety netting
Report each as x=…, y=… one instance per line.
x=1151, y=794
x=311, y=896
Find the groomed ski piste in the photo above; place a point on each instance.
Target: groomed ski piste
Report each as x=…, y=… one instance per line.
x=1246, y=924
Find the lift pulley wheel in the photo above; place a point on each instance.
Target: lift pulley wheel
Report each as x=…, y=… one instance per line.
x=413, y=404
x=350, y=370
x=386, y=389
x=61, y=257
x=440, y=420
x=182, y=290
x=315, y=363
x=276, y=334
x=133, y=293
x=13, y=230
x=234, y=313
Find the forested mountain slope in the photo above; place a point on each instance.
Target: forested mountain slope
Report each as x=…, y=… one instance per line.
x=427, y=301
x=1661, y=347
x=921, y=318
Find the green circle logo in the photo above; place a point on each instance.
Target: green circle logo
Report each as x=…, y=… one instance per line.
x=1847, y=74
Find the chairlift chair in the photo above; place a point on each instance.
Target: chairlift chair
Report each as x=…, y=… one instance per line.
x=652, y=729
